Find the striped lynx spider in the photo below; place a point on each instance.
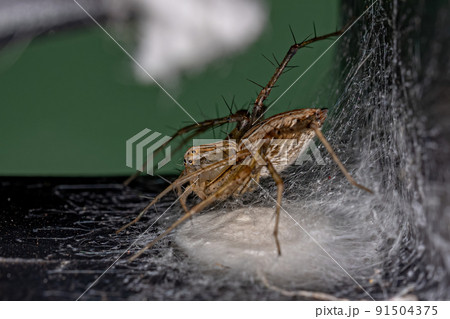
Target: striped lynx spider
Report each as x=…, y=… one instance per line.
x=255, y=148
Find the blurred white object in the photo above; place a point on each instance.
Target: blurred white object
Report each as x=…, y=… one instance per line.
x=174, y=36
x=186, y=35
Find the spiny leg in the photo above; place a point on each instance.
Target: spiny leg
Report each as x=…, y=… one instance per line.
x=181, y=180
x=199, y=128
x=258, y=107
x=234, y=158
x=280, y=187
x=153, y=202
x=336, y=159
x=183, y=195
x=226, y=190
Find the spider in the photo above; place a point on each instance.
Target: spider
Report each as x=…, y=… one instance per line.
x=255, y=148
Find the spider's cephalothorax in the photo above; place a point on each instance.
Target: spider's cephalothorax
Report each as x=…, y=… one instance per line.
x=255, y=148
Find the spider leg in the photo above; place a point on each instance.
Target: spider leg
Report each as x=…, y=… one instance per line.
x=235, y=180
x=248, y=186
x=258, y=107
x=153, y=202
x=280, y=187
x=182, y=180
x=336, y=159
x=245, y=187
x=183, y=195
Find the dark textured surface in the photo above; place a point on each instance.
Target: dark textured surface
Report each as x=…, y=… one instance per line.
x=57, y=237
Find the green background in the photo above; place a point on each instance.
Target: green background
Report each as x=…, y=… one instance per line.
x=69, y=101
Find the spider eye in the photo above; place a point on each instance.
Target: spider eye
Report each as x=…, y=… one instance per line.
x=190, y=161
x=184, y=161
x=193, y=151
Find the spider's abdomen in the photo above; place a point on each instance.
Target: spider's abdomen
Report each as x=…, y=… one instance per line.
x=283, y=137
